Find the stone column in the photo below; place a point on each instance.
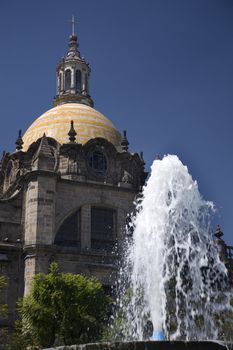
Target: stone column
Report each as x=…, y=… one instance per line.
x=72, y=79
x=58, y=83
x=62, y=87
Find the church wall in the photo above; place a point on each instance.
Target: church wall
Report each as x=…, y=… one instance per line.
x=11, y=266
x=72, y=196
x=88, y=263
x=48, y=203
x=11, y=260
x=10, y=210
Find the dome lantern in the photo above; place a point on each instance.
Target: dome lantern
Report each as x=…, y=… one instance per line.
x=73, y=73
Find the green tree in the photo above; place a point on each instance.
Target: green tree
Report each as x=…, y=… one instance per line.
x=3, y=307
x=61, y=309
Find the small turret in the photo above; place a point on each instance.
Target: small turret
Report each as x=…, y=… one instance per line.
x=43, y=158
x=19, y=141
x=142, y=158
x=124, y=142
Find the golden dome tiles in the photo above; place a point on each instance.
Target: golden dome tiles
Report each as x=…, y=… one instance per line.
x=88, y=124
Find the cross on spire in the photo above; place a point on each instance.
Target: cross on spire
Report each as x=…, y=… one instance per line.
x=73, y=24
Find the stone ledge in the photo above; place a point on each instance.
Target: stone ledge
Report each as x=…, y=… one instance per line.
x=151, y=345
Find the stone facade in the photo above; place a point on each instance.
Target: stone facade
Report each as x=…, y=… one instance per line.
x=48, y=197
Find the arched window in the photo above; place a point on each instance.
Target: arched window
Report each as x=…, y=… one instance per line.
x=103, y=228
x=67, y=79
x=78, y=80
x=69, y=234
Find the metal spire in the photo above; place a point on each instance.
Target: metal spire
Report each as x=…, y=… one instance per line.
x=73, y=24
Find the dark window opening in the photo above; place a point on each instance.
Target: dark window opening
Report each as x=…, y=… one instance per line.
x=60, y=81
x=69, y=234
x=86, y=83
x=68, y=79
x=78, y=80
x=98, y=162
x=103, y=228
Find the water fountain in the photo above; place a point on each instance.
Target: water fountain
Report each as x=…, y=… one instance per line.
x=171, y=276
x=172, y=285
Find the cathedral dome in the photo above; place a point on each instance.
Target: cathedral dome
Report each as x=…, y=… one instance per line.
x=88, y=123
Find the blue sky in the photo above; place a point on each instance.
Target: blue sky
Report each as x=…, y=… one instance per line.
x=162, y=69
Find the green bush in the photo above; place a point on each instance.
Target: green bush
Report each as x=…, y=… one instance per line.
x=61, y=309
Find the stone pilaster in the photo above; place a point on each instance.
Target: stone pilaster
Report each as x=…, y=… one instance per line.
x=40, y=210
x=38, y=224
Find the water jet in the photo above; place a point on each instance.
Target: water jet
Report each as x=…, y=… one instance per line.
x=171, y=270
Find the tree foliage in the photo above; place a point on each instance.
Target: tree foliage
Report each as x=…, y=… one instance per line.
x=62, y=309
x=3, y=310
x=3, y=307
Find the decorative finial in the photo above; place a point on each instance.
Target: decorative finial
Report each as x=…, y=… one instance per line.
x=142, y=159
x=218, y=232
x=72, y=133
x=19, y=141
x=124, y=141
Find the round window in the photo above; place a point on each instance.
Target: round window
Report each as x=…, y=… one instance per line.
x=98, y=162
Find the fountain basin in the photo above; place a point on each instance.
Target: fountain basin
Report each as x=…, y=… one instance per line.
x=151, y=345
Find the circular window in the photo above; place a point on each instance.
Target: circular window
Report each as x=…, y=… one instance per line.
x=98, y=162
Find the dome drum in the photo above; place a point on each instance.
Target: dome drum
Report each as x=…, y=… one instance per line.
x=73, y=98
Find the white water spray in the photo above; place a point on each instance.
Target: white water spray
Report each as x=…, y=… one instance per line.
x=172, y=273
